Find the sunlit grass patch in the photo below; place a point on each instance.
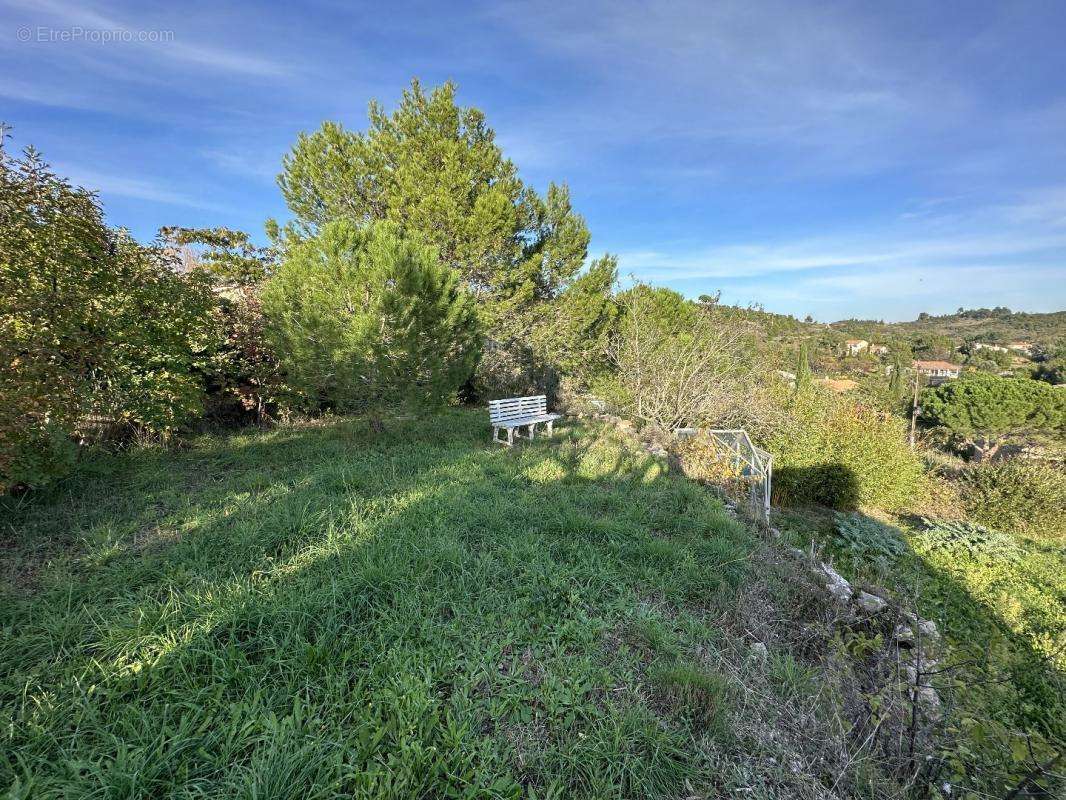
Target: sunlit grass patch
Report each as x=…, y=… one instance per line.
x=327, y=610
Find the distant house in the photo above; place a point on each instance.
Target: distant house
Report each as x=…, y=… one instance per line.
x=937, y=371
x=879, y=349
x=985, y=346
x=855, y=346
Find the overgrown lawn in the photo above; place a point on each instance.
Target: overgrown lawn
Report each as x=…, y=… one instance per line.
x=325, y=611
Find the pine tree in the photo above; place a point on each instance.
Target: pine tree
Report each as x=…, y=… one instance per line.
x=434, y=168
x=363, y=318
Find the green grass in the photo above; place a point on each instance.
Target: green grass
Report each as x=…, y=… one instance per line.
x=322, y=611
x=999, y=598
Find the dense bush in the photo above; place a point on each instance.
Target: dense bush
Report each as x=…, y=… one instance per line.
x=867, y=537
x=1019, y=494
x=361, y=317
x=91, y=323
x=962, y=538
x=833, y=451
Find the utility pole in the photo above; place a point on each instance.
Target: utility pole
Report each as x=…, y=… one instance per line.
x=914, y=407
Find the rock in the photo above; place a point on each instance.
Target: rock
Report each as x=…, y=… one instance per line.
x=904, y=635
x=871, y=603
x=757, y=652
x=776, y=533
x=905, y=632
x=925, y=694
x=837, y=584
x=930, y=634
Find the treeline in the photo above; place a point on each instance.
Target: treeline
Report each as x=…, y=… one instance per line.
x=417, y=268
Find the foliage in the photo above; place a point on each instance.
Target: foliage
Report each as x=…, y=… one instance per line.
x=434, y=168
x=361, y=317
x=996, y=598
x=226, y=254
x=1052, y=371
x=681, y=364
x=704, y=459
x=979, y=403
x=572, y=336
x=91, y=322
x=246, y=378
x=961, y=537
x=803, y=369
x=1016, y=494
x=834, y=451
x=244, y=381
x=867, y=537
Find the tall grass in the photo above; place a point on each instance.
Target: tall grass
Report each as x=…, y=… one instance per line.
x=327, y=611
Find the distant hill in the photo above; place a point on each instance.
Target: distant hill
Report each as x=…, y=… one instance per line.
x=997, y=325
x=929, y=337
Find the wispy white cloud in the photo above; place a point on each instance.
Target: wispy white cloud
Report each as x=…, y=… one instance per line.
x=819, y=81
x=748, y=260
x=176, y=50
x=261, y=165
x=137, y=188
x=903, y=292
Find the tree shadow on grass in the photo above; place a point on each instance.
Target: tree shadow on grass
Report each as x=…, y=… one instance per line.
x=343, y=611
x=832, y=485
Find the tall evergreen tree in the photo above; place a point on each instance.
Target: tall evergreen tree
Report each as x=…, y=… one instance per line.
x=434, y=168
x=895, y=378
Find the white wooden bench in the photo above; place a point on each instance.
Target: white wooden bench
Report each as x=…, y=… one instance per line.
x=519, y=412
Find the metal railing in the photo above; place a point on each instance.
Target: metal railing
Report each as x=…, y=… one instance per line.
x=753, y=466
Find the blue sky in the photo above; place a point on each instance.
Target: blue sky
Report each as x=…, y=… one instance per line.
x=834, y=159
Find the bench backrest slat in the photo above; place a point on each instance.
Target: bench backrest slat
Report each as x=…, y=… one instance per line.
x=512, y=408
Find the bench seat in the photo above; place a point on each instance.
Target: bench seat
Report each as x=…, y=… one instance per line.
x=513, y=413
x=520, y=423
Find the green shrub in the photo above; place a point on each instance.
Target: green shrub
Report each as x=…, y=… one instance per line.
x=1019, y=494
x=91, y=323
x=833, y=451
x=362, y=318
x=956, y=538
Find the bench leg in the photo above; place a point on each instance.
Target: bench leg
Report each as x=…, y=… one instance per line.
x=510, y=437
x=531, y=429
x=551, y=430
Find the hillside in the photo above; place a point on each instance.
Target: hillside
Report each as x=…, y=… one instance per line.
x=324, y=611
x=981, y=324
